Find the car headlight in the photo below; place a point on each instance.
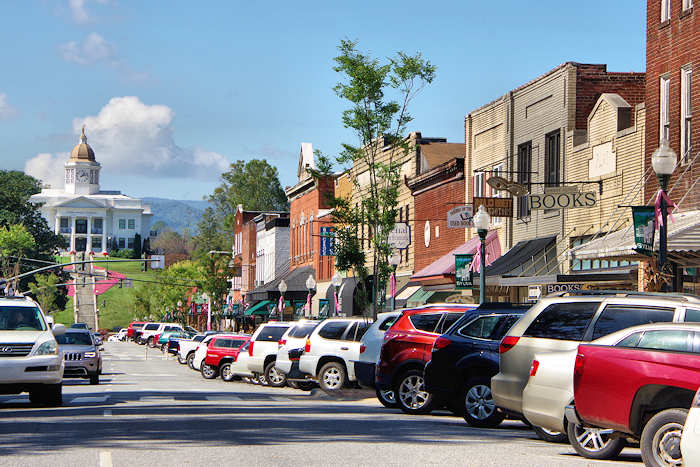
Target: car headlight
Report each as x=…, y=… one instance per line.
x=89, y=354
x=47, y=348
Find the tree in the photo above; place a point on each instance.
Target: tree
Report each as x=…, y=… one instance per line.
x=46, y=291
x=15, y=242
x=171, y=242
x=379, y=95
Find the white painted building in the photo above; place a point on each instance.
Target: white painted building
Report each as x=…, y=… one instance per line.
x=90, y=218
x=272, y=241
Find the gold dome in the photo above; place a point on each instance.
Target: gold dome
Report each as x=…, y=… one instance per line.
x=82, y=151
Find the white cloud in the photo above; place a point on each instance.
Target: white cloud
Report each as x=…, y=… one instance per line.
x=132, y=138
x=79, y=12
x=6, y=110
x=47, y=167
x=93, y=49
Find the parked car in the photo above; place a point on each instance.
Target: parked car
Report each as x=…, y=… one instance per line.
x=407, y=348
x=166, y=336
x=187, y=347
x=641, y=387
x=370, y=346
x=465, y=358
x=222, y=350
x=690, y=439
x=294, y=338
x=79, y=326
x=122, y=334
x=134, y=326
x=195, y=359
x=238, y=368
x=262, y=351
x=81, y=354
x=330, y=350
x=560, y=322
x=150, y=330
x=31, y=361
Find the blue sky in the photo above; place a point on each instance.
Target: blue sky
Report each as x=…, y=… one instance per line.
x=171, y=91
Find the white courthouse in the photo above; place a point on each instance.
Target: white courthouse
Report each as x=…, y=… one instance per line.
x=90, y=218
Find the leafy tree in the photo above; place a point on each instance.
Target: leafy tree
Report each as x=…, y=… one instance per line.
x=15, y=241
x=137, y=245
x=379, y=95
x=171, y=242
x=46, y=291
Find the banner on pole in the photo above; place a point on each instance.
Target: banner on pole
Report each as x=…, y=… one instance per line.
x=327, y=241
x=464, y=279
x=643, y=217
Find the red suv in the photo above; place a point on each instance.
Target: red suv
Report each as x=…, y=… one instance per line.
x=407, y=348
x=221, y=352
x=134, y=326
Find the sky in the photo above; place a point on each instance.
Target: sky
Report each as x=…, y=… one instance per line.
x=173, y=91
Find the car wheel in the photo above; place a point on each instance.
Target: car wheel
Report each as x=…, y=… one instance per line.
x=181, y=360
x=479, y=407
x=226, y=373
x=261, y=379
x=190, y=360
x=275, y=378
x=661, y=438
x=331, y=377
x=163, y=347
x=208, y=371
x=550, y=436
x=594, y=443
x=95, y=379
x=386, y=397
x=306, y=385
x=150, y=342
x=410, y=393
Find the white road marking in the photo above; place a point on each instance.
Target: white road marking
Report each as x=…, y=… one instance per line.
x=224, y=398
x=105, y=459
x=108, y=413
x=280, y=399
x=157, y=399
x=17, y=401
x=153, y=374
x=88, y=399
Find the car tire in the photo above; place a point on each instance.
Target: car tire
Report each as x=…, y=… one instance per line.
x=594, y=443
x=261, y=380
x=226, y=373
x=150, y=342
x=477, y=404
x=306, y=385
x=550, y=436
x=94, y=379
x=51, y=395
x=410, y=393
x=190, y=360
x=661, y=438
x=208, y=371
x=274, y=377
x=163, y=347
x=180, y=360
x=331, y=377
x=386, y=398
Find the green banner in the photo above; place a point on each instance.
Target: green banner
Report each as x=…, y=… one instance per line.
x=643, y=217
x=464, y=279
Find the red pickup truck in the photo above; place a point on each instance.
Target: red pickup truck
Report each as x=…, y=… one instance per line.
x=640, y=388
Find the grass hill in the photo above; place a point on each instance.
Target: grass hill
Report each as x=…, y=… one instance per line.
x=177, y=214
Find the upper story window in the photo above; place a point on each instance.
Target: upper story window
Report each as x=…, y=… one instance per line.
x=524, y=176
x=497, y=171
x=664, y=120
x=122, y=223
x=665, y=10
x=479, y=184
x=132, y=224
x=552, y=143
x=686, y=114
x=687, y=5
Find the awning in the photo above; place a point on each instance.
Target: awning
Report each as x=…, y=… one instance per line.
x=683, y=242
x=418, y=298
x=443, y=269
x=527, y=258
x=259, y=308
x=296, y=285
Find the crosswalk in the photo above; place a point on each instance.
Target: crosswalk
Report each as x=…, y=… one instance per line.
x=77, y=400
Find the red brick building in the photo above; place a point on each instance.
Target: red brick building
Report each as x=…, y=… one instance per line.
x=673, y=56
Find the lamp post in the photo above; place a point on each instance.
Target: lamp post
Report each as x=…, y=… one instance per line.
x=394, y=260
x=482, y=220
x=663, y=160
x=310, y=285
x=206, y=297
x=282, y=287
x=336, y=280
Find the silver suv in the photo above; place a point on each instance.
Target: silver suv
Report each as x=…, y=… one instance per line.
x=81, y=355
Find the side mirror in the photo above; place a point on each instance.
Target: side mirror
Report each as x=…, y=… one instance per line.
x=49, y=321
x=59, y=329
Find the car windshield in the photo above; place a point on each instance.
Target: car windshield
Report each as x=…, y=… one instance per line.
x=21, y=318
x=74, y=338
x=302, y=330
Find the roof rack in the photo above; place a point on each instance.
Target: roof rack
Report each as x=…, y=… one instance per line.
x=628, y=293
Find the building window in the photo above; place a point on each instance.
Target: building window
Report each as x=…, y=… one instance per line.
x=551, y=158
x=81, y=226
x=686, y=114
x=122, y=224
x=478, y=184
x=497, y=171
x=122, y=243
x=65, y=225
x=97, y=226
x=687, y=5
x=524, y=176
x=588, y=264
x=132, y=224
x=665, y=10
x=664, y=119
x=130, y=243
x=408, y=221
x=96, y=243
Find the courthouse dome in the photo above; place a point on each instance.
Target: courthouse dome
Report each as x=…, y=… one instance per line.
x=82, y=151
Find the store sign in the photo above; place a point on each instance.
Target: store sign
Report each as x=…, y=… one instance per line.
x=496, y=207
x=643, y=217
x=464, y=278
x=555, y=288
x=562, y=200
x=534, y=292
x=460, y=217
x=400, y=236
x=327, y=241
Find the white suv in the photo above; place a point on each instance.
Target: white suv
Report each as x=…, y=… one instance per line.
x=262, y=352
x=29, y=357
x=294, y=340
x=150, y=330
x=330, y=351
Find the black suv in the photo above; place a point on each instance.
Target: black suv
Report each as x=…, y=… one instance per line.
x=465, y=358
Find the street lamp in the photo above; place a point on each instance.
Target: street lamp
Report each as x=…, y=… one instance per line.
x=663, y=160
x=208, y=299
x=482, y=221
x=394, y=260
x=310, y=285
x=336, y=280
x=282, y=287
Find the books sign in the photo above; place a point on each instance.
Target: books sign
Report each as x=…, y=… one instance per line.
x=562, y=200
x=460, y=217
x=496, y=207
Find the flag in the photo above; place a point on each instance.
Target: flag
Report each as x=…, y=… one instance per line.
x=337, y=303
x=308, y=303
x=392, y=284
x=280, y=305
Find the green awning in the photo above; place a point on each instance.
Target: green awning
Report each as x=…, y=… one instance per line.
x=259, y=308
x=419, y=297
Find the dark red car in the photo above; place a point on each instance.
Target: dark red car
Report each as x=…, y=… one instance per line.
x=221, y=352
x=134, y=326
x=407, y=348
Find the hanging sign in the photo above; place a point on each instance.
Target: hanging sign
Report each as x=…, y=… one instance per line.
x=327, y=241
x=554, y=288
x=460, y=217
x=562, y=200
x=643, y=217
x=464, y=279
x=400, y=236
x=496, y=207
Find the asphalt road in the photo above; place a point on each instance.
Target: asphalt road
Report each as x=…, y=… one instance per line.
x=150, y=410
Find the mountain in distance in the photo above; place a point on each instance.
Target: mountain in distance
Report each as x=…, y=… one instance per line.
x=177, y=214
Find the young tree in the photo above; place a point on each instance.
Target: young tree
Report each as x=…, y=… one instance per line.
x=379, y=95
x=46, y=292
x=15, y=242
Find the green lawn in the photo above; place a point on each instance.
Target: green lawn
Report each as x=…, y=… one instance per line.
x=115, y=305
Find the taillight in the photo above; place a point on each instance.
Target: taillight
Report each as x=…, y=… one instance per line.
x=281, y=342
x=250, y=348
x=533, y=368
x=362, y=349
x=307, y=347
x=507, y=343
x=578, y=366
x=441, y=343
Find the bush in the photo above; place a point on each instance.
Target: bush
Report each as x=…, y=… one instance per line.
x=123, y=253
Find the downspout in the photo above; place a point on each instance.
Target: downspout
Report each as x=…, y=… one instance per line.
x=511, y=150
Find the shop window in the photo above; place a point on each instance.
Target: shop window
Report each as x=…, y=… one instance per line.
x=596, y=264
